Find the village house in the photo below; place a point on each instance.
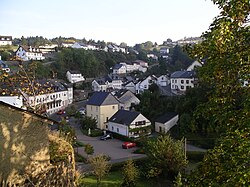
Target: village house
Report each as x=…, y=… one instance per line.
x=29, y=53
x=48, y=48
x=74, y=76
x=58, y=98
x=119, y=69
x=144, y=84
x=127, y=99
x=194, y=65
x=101, y=106
x=129, y=123
x=165, y=122
x=5, y=40
x=107, y=83
x=163, y=80
x=181, y=81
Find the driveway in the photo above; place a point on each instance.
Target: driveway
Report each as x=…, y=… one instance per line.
x=111, y=147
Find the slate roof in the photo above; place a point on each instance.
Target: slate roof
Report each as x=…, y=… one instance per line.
x=166, y=117
x=117, y=66
x=120, y=93
x=102, y=98
x=183, y=74
x=124, y=117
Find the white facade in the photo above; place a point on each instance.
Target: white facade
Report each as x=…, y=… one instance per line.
x=5, y=40
x=29, y=53
x=16, y=101
x=120, y=70
x=67, y=44
x=74, y=77
x=130, y=86
x=53, y=102
x=163, y=80
x=193, y=65
x=182, y=84
x=165, y=127
x=48, y=48
x=99, y=87
x=138, y=122
x=144, y=84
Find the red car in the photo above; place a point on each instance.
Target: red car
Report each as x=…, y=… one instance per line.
x=127, y=145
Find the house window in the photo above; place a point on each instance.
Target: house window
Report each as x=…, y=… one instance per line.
x=182, y=87
x=182, y=81
x=112, y=128
x=117, y=129
x=175, y=81
x=97, y=117
x=113, y=107
x=96, y=109
x=187, y=81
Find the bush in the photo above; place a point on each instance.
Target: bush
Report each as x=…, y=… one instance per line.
x=80, y=158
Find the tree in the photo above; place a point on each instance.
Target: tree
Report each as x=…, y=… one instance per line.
x=88, y=123
x=100, y=167
x=89, y=149
x=130, y=174
x=226, y=50
x=166, y=155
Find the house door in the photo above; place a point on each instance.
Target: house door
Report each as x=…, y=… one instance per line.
x=160, y=129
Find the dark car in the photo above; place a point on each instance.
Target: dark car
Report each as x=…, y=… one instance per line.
x=106, y=136
x=127, y=145
x=60, y=112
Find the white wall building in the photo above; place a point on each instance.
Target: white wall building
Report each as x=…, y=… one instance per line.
x=144, y=84
x=163, y=80
x=119, y=69
x=5, y=40
x=16, y=101
x=29, y=53
x=74, y=76
x=48, y=48
x=129, y=123
x=164, y=123
x=193, y=65
x=181, y=81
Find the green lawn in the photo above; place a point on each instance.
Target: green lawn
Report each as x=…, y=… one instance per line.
x=114, y=179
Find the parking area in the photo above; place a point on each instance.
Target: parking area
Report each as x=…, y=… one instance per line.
x=111, y=147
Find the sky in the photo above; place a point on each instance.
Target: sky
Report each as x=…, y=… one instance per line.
x=129, y=21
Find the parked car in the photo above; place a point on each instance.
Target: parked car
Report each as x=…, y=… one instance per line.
x=60, y=112
x=106, y=136
x=127, y=145
x=82, y=111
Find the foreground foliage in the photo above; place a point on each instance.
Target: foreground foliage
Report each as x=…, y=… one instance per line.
x=226, y=50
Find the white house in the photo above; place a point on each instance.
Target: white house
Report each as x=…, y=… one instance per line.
x=76, y=45
x=193, y=65
x=129, y=123
x=153, y=56
x=130, y=86
x=74, y=76
x=165, y=122
x=5, y=40
x=16, y=101
x=48, y=48
x=59, y=97
x=181, y=81
x=119, y=69
x=127, y=99
x=144, y=84
x=29, y=53
x=109, y=82
x=163, y=80
x=130, y=67
x=67, y=44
